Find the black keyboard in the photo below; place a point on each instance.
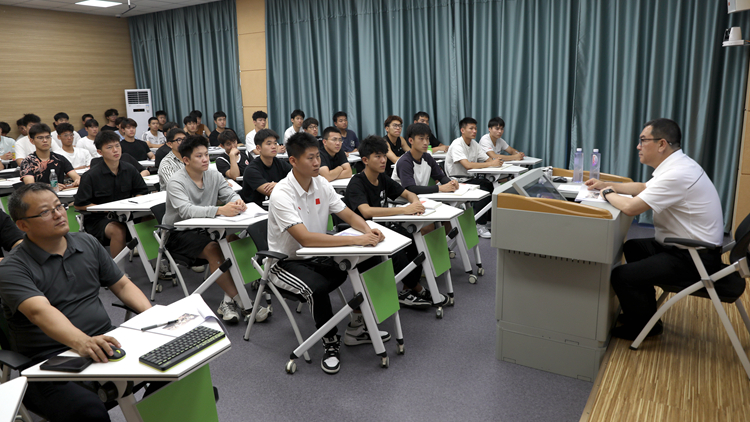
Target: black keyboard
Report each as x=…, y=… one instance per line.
x=181, y=348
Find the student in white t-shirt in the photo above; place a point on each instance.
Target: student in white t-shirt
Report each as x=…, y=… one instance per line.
x=494, y=145
x=260, y=118
x=87, y=142
x=78, y=157
x=59, y=119
x=24, y=146
x=152, y=136
x=298, y=117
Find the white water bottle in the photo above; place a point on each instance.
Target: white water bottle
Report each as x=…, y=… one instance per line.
x=578, y=166
x=53, y=180
x=596, y=163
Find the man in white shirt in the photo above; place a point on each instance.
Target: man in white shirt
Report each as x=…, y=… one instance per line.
x=61, y=118
x=685, y=205
x=87, y=142
x=464, y=154
x=260, y=119
x=298, y=116
x=7, y=145
x=153, y=137
x=78, y=157
x=494, y=145
x=24, y=146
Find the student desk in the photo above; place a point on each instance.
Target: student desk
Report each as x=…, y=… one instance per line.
x=129, y=371
x=455, y=200
x=442, y=214
x=495, y=173
x=147, y=163
x=12, y=393
x=527, y=162
x=339, y=185
x=348, y=257
x=10, y=172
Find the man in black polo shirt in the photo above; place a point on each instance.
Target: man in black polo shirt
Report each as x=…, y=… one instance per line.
x=220, y=120
x=262, y=174
x=233, y=162
x=135, y=147
x=333, y=162
x=109, y=181
x=50, y=297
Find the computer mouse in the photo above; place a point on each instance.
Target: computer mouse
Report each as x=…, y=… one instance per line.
x=560, y=179
x=117, y=354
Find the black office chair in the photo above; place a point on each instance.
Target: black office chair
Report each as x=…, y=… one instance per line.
x=726, y=285
x=10, y=360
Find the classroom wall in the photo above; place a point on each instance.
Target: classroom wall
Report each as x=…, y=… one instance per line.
x=742, y=196
x=251, y=33
x=58, y=61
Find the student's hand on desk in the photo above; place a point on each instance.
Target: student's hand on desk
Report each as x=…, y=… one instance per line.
x=97, y=348
x=451, y=186
x=381, y=236
x=367, y=239
x=596, y=184
x=281, y=149
x=495, y=162
x=269, y=188
x=231, y=209
x=7, y=156
x=414, y=208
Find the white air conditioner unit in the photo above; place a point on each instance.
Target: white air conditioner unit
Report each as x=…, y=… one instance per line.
x=737, y=5
x=139, y=108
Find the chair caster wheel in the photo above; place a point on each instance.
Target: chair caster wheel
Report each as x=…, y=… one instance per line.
x=451, y=301
x=270, y=311
x=400, y=350
x=174, y=283
x=480, y=271
x=291, y=367
x=452, y=254
x=473, y=279
x=254, y=285
x=439, y=313
x=385, y=362
x=158, y=288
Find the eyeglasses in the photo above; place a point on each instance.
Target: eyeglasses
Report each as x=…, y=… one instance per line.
x=397, y=126
x=336, y=141
x=640, y=140
x=178, y=140
x=47, y=214
x=312, y=127
x=66, y=135
x=43, y=138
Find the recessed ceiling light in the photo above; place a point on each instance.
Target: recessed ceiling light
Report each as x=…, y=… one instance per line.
x=98, y=3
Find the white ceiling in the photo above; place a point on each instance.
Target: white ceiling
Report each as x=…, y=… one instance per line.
x=142, y=6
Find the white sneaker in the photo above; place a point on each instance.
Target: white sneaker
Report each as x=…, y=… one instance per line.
x=198, y=268
x=261, y=316
x=483, y=232
x=228, y=312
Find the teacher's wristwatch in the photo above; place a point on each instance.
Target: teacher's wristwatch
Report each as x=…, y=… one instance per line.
x=605, y=192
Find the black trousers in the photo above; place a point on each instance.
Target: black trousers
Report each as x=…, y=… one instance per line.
x=486, y=186
x=650, y=263
x=64, y=401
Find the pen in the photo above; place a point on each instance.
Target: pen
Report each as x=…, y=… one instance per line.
x=158, y=325
x=132, y=202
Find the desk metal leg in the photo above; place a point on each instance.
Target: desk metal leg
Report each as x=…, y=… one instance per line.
x=463, y=250
x=234, y=270
x=141, y=252
x=437, y=298
x=127, y=405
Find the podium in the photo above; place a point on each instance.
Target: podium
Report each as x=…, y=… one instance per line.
x=554, y=305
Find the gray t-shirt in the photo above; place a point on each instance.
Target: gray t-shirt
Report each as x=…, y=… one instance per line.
x=186, y=200
x=70, y=282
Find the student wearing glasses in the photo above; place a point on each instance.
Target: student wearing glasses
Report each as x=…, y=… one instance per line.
x=397, y=145
x=172, y=162
x=333, y=162
x=38, y=166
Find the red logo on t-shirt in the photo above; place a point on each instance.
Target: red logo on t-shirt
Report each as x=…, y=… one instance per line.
x=317, y=201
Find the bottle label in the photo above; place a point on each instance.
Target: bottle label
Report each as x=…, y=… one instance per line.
x=594, y=161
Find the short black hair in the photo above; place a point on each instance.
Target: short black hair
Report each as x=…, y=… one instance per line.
x=298, y=112
x=329, y=130
x=111, y=112
x=421, y=114
x=338, y=114
x=416, y=129
x=151, y=119
x=300, y=142
x=309, y=122
x=19, y=122
x=666, y=129
x=495, y=122
x=129, y=122
x=119, y=120
x=4, y=128
x=83, y=118
x=64, y=127
x=263, y=135
x=37, y=129
x=372, y=145
x=16, y=207
x=169, y=126
x=174, y=132
x=189, y=119
x=260, y=114
x=91, y=123
x=197, y=114
x=228, y=136
x=161, y=113
x=105, y=137
x=466, y=121
x=31, y=118
x=219, y=114
x=61, y=115
x=191, y=143
x=392, y=119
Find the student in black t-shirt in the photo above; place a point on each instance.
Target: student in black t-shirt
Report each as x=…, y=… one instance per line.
x=367, y=194
x=311, y=125
x=437, y=146
x=109, y=181
x=39, y=164
x=110, y=116
x=333, y=162
x=135, y=147
x=233, y=162
x=126, y=158
x=265, y=171
x=220, y=120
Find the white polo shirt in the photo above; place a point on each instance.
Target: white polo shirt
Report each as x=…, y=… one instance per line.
x=24, y=147
x=289, y=132
x=290, y=205
x=250, y=138
x=486, y=143
x=56, y=138
x=457, y=151
x=685, y=201
x=79, y=158
x=88, y=145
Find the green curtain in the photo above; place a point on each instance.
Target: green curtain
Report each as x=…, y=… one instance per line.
x=188, y=57
x=562, y=73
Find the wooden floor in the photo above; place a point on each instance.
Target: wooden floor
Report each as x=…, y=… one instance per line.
x=689, y=373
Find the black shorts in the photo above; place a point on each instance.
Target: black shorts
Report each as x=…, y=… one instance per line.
x=95, y=224
x=188, y=243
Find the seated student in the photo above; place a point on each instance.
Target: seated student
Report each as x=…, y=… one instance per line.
x=220, y=120
x=298, y=116
x=191, y=125
x=39, y=164
x=59, y=119
x=259, y=121
x=415, y=168
x=437, y=146
x=298, y=217
x=10, y=235
x=397, y=145
x=126, y=158
x=135, y=147
x=85, y=118
x=161, y=116
x=368, y=194
x=333, y=162
x=79, y=158
x=164, y=149
x=349, y=140
x=201, y=129
x=21, y=129
x=192, y=193
x=120, y=130
x=464, y=154
x=494, y=145
x=110, y=116
x=24, y=145
x=265, y=171
x=110, y=181
x=233, y=162
x=7, y=145
x=172, y=162
x=310, y=125
x=153, y=137
x=50, y=296
x=87, y=142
